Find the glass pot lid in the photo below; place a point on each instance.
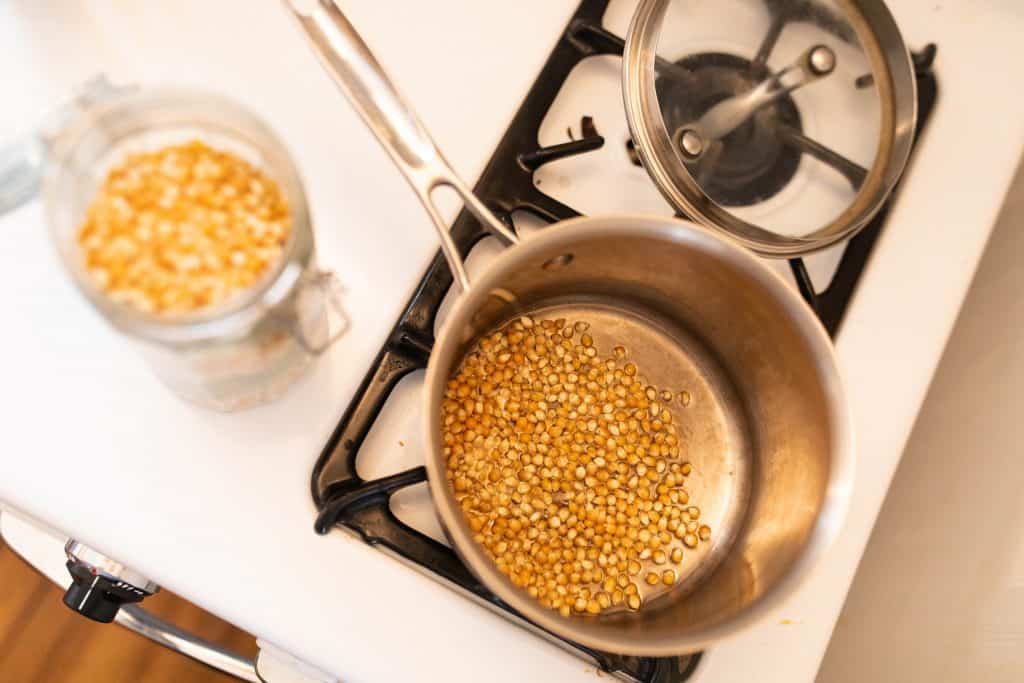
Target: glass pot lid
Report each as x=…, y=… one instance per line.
x=785, y=123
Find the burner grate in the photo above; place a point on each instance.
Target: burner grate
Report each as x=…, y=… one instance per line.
x=506, y=185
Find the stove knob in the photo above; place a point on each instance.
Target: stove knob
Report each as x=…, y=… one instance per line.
x=99, y=585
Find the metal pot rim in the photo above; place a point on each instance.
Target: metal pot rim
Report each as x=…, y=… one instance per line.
x=840, y=482
x=888, y=55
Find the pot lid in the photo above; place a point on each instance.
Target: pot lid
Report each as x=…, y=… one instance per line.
x=785, y=123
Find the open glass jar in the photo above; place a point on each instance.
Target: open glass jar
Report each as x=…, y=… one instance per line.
x=248, y=349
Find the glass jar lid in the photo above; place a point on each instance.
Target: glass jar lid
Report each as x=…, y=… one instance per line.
x=785, y=123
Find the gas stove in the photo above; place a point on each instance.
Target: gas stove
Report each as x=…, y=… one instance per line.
x=568, y=143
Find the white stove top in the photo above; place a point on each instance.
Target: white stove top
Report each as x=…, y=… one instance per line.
x=217, y=507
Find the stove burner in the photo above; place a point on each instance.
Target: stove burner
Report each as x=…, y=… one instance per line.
x=750, y=164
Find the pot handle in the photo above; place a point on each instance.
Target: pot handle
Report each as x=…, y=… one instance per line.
x=357, y=73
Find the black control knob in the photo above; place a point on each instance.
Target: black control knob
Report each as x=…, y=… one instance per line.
x=99, y=585
x=96, y=596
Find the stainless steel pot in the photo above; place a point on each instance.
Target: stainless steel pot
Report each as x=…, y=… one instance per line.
x=767, y=428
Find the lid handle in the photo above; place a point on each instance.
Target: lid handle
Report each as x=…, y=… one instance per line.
x=729, y=114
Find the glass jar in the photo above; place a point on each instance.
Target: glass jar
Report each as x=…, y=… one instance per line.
x=233, y=355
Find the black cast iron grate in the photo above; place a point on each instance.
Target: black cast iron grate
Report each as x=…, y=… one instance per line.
x=506, y=186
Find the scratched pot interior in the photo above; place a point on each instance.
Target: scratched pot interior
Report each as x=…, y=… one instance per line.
x=712, y=428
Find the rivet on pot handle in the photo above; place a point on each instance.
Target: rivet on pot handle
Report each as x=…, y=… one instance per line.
x=356, y=71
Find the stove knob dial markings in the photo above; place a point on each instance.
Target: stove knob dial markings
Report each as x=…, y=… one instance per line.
x=100, y=585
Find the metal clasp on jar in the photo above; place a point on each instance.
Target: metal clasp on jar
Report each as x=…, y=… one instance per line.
x=317, y=318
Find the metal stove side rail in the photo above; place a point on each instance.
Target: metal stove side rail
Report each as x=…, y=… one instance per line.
x=365, y=511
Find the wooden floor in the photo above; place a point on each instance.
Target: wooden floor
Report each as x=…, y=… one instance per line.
x=42, y=641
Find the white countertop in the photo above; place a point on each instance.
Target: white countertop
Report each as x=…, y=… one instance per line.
x=217, y=507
